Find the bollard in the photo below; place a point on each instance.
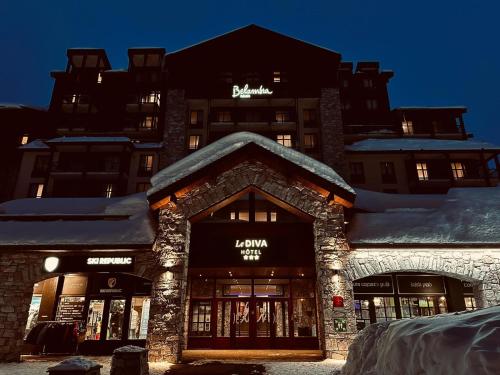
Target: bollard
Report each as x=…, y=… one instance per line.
x=76, y=366
x=130, y=360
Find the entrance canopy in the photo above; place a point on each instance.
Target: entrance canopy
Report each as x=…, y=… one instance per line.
x=205, y=164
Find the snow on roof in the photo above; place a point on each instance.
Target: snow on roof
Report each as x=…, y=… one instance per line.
x=148, y=145
x=418, y=144
x=463, y=216
x=20, y=106
x=424, y=108
x=61, y=222
x=36, y=144
x=89, y=139
x=225, y=146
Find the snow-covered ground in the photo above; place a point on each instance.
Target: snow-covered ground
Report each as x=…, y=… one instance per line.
x=326, y=367
x=465, y=343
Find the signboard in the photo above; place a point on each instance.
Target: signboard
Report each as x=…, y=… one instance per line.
x=340, y=324
x=74, y=285
x=247, y=92
x=420, y=284
x=119, y=284
x=88, y=263
x=70, y=309
x=468, y=289
x=251, y=249
x=374, y=285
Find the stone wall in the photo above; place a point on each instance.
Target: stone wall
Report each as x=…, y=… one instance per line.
x=332, y=131
x=479, y=266
x=174, y=131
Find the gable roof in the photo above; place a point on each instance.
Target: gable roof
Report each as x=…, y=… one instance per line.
x=193, y=166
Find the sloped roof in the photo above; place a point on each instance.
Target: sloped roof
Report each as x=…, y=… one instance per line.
x=464, y=216
x=223, y=147
x=84, y=222
x=418, y=144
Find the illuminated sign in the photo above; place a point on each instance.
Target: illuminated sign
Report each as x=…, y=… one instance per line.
x=94, y=261
x=251, y=249
x=246, y=92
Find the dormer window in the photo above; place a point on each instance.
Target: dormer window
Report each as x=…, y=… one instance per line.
x=24, y=139
x=407, y=126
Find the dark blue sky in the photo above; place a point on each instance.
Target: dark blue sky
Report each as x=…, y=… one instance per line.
x=443, y=52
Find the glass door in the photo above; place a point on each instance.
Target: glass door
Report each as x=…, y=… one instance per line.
x=241, y=325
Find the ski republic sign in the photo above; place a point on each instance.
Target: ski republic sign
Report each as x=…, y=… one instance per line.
x=251, y=250
x=247, y=92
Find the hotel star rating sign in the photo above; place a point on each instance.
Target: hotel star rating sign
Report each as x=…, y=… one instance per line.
x=251, y=250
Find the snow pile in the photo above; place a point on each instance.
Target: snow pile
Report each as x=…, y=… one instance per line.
x=37, y=144
x=76, y=364
x=417, y=144
x=231, y=143
x=326, y=367
x=460, y=344
x=463, y=216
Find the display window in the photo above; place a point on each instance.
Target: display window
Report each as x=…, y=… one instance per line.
x=94, y=319
x=115, y=319
x=139, y=318
x=33, y=312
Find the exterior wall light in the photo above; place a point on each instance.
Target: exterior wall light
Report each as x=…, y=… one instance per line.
x=50, y=264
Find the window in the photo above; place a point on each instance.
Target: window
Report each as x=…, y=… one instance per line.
x=24, y=139
x=115, y=321
x=200, y=318
x=196, y=118
x=385, y=309
x=99, y=77
x=223, y=116
x=194, y=142
x=94, y=319
x=109, y=190
x=309, y=117
x=41, y=165
x=261, y=216
x=282, y=116
x=36, y=190
x=150, y=97
x=357, y=172
x=458, y=170
x=111, y=163
x=243, y=216
x=146, y=165
x=371, y=104
x=388, y=172
x=346, y=105
x=422, y=173
x=368, y=83
x=284, y=139
x=470, y=303
x=274, y=216
x=276, y=77
x=142, y=187
x=407, y=127
x=362, y=311
x=148, y=123
x=309, y=141
x=139, y=318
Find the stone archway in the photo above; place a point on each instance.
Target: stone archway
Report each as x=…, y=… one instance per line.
x=166, y=337
x=479, y=266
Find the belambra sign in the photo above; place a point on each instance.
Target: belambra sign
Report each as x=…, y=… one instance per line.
x=247, y=92
x=251, y=250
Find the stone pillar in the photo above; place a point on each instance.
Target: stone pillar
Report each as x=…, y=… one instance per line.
x=331, y=250
x=166, y=319
x=17, y=276
x=174, y=132
x=130, y=360
x=332, y=130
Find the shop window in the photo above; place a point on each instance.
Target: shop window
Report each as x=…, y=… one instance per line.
x=304, y=317
x=458, y=170
x=109, y=190
x=422, y=306
x=194, y=142
x=201, y=318
x=223, y=319
x=362, y=311
x=146, y=165
x=422, y=172
x=94, y=319
x=407, y=126
x=357, y=172
x=115, y=322
x=196, y=118
x=282, y=116
x=284, y=139
x=385, y=309
x=33, y=311
x=388, y=172
x=148, y=123
x=261, y=216
x=371, y=104
x=36, y=190
x=470, y=303
x=139, y=318
x=24, y=139
x=309, y=141
x=309, y=117
x=41, y=167
x=142, y=187
x=223, y=116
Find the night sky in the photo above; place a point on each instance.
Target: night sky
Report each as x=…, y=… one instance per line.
x=443, y=52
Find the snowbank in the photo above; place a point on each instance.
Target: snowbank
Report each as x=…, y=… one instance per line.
x=463, y=343
x=418, y=144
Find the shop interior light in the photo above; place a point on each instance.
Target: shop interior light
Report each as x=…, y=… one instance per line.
x=51, y=264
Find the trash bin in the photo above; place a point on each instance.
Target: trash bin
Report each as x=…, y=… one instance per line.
x=76, y=366
x=130, y=360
